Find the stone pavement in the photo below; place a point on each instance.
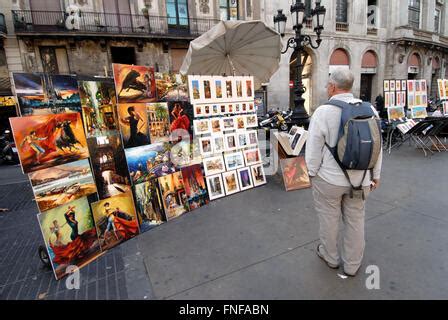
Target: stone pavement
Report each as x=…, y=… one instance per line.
x=255, y=245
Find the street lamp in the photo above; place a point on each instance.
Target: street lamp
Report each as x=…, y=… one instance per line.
x=298, y=43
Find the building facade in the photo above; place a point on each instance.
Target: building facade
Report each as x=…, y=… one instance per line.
x=376, y=39
x=85, y=37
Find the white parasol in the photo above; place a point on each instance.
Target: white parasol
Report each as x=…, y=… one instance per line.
x=235, y=48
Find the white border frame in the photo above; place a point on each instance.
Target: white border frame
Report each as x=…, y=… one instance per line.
x=227, y=155
x=207, y=172
x=250, y=178
x=253, y=175
x=207, y=181
x=245, y=152
x=195, y=125
x=231, y=173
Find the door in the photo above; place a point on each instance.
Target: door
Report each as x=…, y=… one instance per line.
x=177, y=14
x=366, y=87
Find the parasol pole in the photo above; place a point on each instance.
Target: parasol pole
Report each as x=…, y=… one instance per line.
x=231, y=64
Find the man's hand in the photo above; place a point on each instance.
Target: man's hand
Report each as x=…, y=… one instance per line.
x=375, y=184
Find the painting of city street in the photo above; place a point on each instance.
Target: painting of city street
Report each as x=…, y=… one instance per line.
x=149, y=206
x=59, y=185
x=134, y=83
x=40, y=94
x=173, y=195
x=49, y=140
x=149, y=162
x=195, y=187
x=99, y=108
x=70, y=236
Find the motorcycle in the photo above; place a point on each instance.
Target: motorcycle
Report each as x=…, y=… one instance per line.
x=276, y=119
x=8, y=149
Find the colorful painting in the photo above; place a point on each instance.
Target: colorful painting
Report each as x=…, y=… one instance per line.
x=134, y=84
x=171, y=87
x=395, y=113
x=419, y=113
x=245, y=179
x=109, y=165
x=70, y=236
x=159, y=121
x=181, y=118
x=258, y=175
x=195, y=187
x=49, y=140
x=134, y=124
x=148, y=162
x=42, y=94
x=99, y=108
x=231, y=184
x=174, y=197
x=295, y=174
x=115, y=219
x=62, y=184
x=149, y=206
x=215, y=187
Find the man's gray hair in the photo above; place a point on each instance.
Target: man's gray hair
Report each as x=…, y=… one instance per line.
x=342, y=78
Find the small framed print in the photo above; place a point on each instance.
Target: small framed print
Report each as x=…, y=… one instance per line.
x=403, y=85
x=252, y=138
x=195, y=89
x=411, y=100
x=252, y=156
x=240, y=122
x=201, y=126
x=239, y=88
x=206, y=146
x=411, y=86
x=214, y=165
x=230, y=142
x=231, y=183
x=423, y=86
x=228, y=124
x=245, y=179
x=398, y=85
x=216, y=126
x=258, y=175
x=251, y=107
x=237, y=108
x=242, y=140
x=198, y=111
x=223, y=109
x=207, y=89
x=386, y=85
x=234, y=160
x=392, y=85
x=251, y=121
x=392, y=99
x=216, y=110
x=229, y=89
x=418, y=87
x=217, y=89
x=249, y=88
x=218, y=144
x=230, y=108
x=215, y=187
x=207, y=110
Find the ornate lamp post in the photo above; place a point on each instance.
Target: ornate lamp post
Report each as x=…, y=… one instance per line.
x=298, y=43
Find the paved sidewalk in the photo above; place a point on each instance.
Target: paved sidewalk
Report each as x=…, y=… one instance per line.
x=255, y=245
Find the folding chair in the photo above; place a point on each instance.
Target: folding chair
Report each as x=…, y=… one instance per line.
x=417, y=134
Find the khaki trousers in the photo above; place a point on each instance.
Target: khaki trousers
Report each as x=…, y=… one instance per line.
x=331, y=203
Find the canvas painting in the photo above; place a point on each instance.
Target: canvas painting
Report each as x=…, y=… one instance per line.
x=258, y=175
x=134, y=124
x=181, y=118
x=195, y=187
x=295, y=174
x=419, y=113
x=99, y=108
x=171, y=87
x=149, y=207
x=42, y=94
x=134, y=84
x=70, y=236
x=174, y=197
x=148, y=162
x=231, y=184
x=56, y=186
x=109, y=165
x=49, y=140
x=215, y=187
x=159, y=122
x=182, y=154
x=396, y=113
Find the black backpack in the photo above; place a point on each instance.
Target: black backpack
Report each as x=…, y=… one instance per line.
x=359, y=140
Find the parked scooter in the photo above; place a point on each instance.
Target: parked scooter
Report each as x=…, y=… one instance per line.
x=8, y=149
x=276, y=119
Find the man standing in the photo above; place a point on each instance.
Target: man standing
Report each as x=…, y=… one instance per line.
x=332, y=190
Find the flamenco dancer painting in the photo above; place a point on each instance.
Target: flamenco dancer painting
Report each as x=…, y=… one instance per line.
x=134, y=125
x=70, y=235
x=49, y=140
x=116, y=220
x=181, y=116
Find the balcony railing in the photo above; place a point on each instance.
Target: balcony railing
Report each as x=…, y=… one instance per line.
x=30, y=21
x=3, y=29
x=342, y=26
x=372, y=31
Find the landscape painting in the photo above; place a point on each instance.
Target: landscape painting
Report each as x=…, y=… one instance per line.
x=41, y=94
x=99, y=108
x=59, y=185
x=134, y=84
x=116, y=220
x=49, y=140
x=70, y=236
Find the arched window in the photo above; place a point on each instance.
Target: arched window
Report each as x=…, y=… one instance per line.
x=339, y=58
x=414, y=65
